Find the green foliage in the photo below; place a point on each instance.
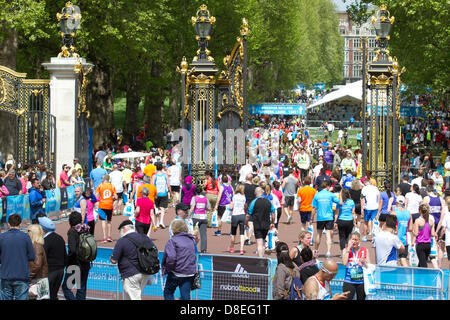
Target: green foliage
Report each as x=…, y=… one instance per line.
x=420, y=40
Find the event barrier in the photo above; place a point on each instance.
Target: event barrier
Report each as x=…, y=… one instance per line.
x=226, y=277
x=58, y=201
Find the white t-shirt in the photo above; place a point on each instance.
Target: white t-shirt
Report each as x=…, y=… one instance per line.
x=386, y=247
x=446, y=226
x=174, y=179
x=238, y=204
x=117, y=180
x=417, y=181
x=244, y=171
x=370, y=194
x=414, y=201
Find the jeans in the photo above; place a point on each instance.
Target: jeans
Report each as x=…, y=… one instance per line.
x=14, y=289
x=81, y=290
x=184, y=284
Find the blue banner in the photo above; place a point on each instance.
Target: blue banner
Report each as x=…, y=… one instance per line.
x=278, y=109
x=319, y=86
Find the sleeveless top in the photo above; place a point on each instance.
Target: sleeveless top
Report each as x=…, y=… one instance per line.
x=201, y=202
x=403, y=217
x=77, y=206
x=424, y=235
x=435, y=208
x=161, y=184
x=227, y=195
x=324, y=290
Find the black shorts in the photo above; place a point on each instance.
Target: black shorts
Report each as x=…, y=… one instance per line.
x=327, y=225
x=261, y=234
x=414, y=216
x=236, y=221
x=382, y=217
x=175, y=188
x=108, y=213
x=289, y=201
x=220, y=211
x=162, y=202
x=305, y=216
x=403, y=254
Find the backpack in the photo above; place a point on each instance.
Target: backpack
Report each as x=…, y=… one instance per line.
x=148, y=261
x=295, y=292
x=87, y=247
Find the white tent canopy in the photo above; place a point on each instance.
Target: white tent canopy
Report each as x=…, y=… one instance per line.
x=349, y=94
x=129, y=155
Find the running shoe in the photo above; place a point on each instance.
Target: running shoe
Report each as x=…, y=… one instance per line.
x=328, y=255
x=162, y=226
x=105, y=240
x=289, y=220
x=241, y=252
x=109, y=239
x=364, y=239
x=230, y=250
x=217, y=233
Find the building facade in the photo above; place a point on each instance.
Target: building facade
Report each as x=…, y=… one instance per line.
x=353, y=35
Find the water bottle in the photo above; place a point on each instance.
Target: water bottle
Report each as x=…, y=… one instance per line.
x=271, y=242
x=311, y=229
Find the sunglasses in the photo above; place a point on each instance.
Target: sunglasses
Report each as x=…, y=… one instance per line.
x=329, y=272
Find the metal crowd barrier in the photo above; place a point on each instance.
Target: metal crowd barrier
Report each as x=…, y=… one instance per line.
x=229, y=285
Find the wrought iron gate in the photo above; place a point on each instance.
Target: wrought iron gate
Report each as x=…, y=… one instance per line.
x=29, y=101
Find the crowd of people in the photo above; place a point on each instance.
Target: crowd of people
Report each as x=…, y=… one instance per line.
x=286, y=171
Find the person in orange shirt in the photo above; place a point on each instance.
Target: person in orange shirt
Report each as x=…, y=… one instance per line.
x=106, y=193
x=305, y=197
x=151, y=189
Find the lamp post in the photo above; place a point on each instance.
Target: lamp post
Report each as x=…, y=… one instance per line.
x=69, y=21
x=381, y=84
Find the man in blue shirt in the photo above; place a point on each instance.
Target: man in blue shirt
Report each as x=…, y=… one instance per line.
x=263, y=216
x=97, y=175
x=37, y=200
x=323, y=209
x=16, y=251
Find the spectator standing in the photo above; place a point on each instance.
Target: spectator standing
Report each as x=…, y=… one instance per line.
x=37, y=200
x=354, y=257
x=39, y=285
x=55, y=251
x=3, y=190
x=13, y=184
x=16, y=251
x=126, y=256
x=64, y=180
x=73, y=263
x=48, y=182
x=284, y=273
x=179, y=262
x=308, y=265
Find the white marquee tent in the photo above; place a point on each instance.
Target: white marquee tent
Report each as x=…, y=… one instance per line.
x=348, y=94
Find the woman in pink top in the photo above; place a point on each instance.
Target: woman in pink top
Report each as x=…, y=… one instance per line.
x=3, y=190
x=144, y=212
x=423, y=230
x=90, y=202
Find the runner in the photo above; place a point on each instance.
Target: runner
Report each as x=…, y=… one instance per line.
x=161, y=182
x=305, y=197
x=106, y=193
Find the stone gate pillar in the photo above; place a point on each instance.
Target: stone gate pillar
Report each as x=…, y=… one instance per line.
x=64, y=106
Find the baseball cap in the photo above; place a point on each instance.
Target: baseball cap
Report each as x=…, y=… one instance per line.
x=124, y=223
x=400, y=199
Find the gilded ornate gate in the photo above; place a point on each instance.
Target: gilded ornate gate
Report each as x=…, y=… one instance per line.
x=29, y=101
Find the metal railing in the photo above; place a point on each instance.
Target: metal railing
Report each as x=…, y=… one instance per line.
x=104, y=283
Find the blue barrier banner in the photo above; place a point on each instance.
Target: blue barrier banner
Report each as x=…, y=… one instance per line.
x=280, y=109
x=19, y=204
x=53, y=201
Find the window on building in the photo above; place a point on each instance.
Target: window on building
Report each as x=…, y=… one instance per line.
x=347, y=56
x=342, y=31
x=372, y=55
x=357, y=56
x=357, y=71
x=348, y=43
x=346, y=71
x=357, y=31
x=372, y=43
x=356, y=43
